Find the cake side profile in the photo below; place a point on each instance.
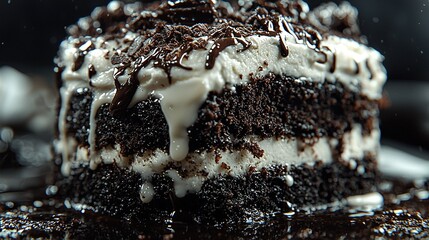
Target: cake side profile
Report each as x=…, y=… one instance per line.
x=225, y=112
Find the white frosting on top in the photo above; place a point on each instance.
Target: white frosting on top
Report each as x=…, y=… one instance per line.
x=356, y=66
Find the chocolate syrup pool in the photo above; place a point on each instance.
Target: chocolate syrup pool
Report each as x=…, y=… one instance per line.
x=34, y=212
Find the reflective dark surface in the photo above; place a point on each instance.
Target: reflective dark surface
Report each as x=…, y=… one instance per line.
x=404, y=215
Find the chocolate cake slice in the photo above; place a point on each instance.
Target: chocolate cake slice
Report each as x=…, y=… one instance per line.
x=216, y=111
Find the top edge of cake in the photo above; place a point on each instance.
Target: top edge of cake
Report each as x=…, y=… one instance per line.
x=181, y=51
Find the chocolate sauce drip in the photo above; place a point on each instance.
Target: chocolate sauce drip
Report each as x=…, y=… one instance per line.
x=275, y=30
x=312, y=38
x=325, y=57
x=357, y=68
x=220, y=45
x=284, y=49
x=333, y=63
x=227, y=36
x=176, y=61
x=306, y=35
x=371, y=73
x=119, y=71
x=125, y=93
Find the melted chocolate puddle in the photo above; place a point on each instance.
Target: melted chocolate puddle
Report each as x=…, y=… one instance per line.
x=404, y=215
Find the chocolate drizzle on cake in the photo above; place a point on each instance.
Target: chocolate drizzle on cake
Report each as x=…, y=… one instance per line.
x=357, y=68
x=284, y=49
x=334, y=61
x=368, y=66
x=176, y=61
x=125, y=93
x=178, y=25
x=327, y=54
x=231, y=37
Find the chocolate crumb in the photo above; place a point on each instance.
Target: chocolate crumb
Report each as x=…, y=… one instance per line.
x=225, y=166
x=91, y=71
x=79, y=58
x=218, y=157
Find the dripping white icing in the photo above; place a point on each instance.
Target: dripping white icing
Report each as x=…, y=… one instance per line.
x=182, y=186
x=289, y=180
x=146, y=192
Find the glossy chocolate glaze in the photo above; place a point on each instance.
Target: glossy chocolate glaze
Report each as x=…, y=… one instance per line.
x=220, y=45
x=125, y=93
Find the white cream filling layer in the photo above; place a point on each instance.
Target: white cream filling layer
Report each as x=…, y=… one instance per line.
x=198, y=167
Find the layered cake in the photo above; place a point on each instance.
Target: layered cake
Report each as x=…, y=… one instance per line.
x=216, y=111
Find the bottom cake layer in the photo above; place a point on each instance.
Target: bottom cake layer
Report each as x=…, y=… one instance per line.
x=116, y=191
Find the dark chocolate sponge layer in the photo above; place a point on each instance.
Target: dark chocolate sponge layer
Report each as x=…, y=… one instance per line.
x=115, y=191
x=273, y=106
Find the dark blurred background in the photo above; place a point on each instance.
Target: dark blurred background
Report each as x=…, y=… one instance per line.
x=30, y=32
